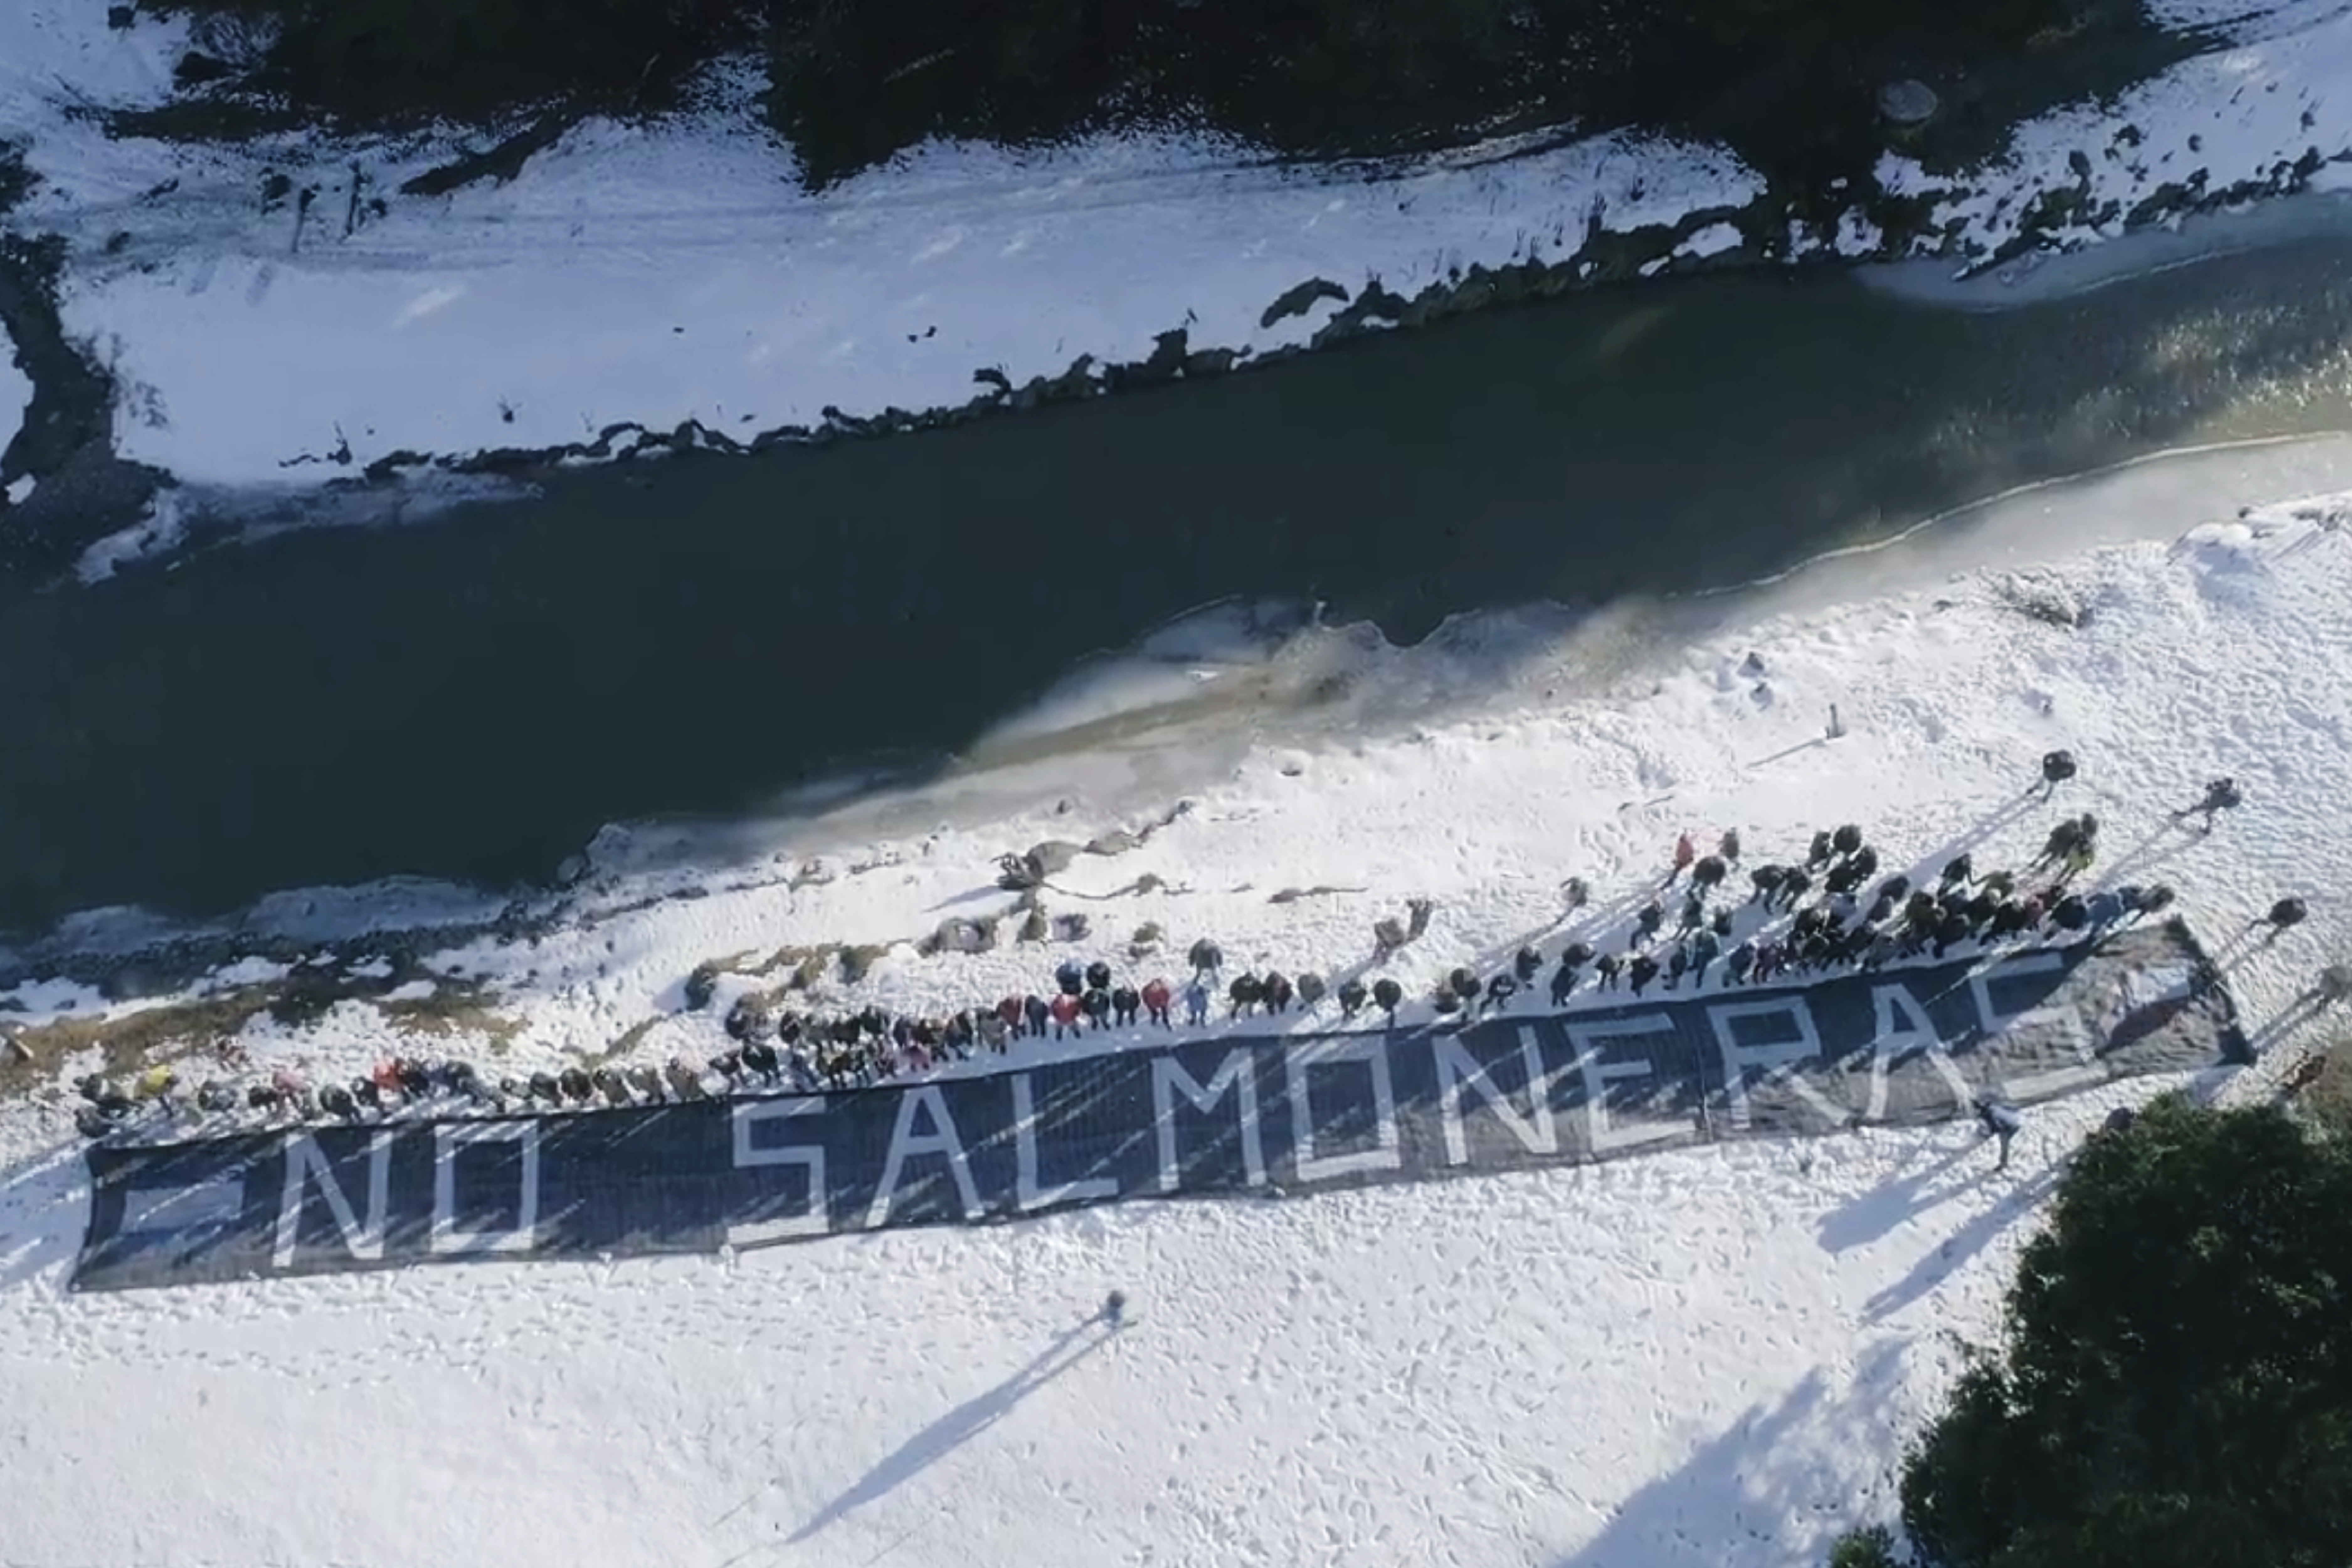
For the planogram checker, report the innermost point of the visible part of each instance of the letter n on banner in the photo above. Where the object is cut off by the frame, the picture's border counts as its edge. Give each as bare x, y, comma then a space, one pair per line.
1458, 1070
1298, 1070
449, 1140
816, 1217
363, 1239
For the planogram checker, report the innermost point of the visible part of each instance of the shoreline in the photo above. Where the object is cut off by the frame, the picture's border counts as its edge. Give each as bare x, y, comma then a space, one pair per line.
1617, 212
1025, 785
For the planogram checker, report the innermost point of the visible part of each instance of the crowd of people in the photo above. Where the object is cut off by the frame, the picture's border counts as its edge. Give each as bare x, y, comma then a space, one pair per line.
1831, 909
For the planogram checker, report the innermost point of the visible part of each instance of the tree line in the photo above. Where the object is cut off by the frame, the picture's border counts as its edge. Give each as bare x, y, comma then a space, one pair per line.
1791, 83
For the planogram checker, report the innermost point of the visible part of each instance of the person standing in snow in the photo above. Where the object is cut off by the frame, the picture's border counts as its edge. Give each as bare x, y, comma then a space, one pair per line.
1387, 996
2283, 916
1276, 991
2105, 909
1244, 994
1156, 998
1728, 846
1500, 988
1704, 948
1684, 853
1693, 913
1065, 1010
1196, 1003
2332, 986
1641, 972
1352, 997
2057, 767
2002, 1122
2220, 795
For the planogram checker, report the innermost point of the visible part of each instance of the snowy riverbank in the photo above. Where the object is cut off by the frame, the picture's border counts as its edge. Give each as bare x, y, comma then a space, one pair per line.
266, 325
1698, 1358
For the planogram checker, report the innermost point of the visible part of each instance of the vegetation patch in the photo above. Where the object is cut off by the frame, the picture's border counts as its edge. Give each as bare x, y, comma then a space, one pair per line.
1793, 85
263, 66
2327, 1099
129, 1041
454, 1007
2173, 1388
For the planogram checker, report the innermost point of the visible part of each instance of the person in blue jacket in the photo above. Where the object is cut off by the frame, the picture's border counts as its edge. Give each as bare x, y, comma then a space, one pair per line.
2002, 1122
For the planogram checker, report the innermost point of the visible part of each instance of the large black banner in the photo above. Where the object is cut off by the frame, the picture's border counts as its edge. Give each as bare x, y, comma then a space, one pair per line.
1216, 1115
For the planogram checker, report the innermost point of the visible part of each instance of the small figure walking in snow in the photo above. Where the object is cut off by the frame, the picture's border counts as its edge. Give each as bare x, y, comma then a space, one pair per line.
1114, 1309
1684, 853
2220, 795
2000, 1122
1836, 727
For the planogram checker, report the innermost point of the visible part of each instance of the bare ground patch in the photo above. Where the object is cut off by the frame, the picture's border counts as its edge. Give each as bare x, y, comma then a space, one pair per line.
129, 1041
455, 1007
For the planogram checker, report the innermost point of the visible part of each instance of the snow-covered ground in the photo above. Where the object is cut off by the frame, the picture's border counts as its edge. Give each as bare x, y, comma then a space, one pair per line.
1703, 1358
654, 276
15, 392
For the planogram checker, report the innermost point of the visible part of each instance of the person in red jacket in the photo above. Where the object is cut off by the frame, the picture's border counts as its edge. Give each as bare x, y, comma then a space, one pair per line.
1065, 1008
1684, 853
1156, 999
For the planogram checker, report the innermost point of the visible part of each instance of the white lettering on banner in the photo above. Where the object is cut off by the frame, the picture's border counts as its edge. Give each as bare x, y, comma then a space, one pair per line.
1777, 1060
1298, 1066
2065, 1020
906, 1144
304, 1159
816, 1219
1599, 1073
1458, 1070
448, 1140
1030, 1195
1234, 1076
1913, 1033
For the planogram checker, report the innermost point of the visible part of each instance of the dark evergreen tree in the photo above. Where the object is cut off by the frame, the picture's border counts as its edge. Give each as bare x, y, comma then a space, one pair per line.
2174, 1388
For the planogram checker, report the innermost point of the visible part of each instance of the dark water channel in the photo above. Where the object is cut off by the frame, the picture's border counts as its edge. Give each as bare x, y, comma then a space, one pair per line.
473, 698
